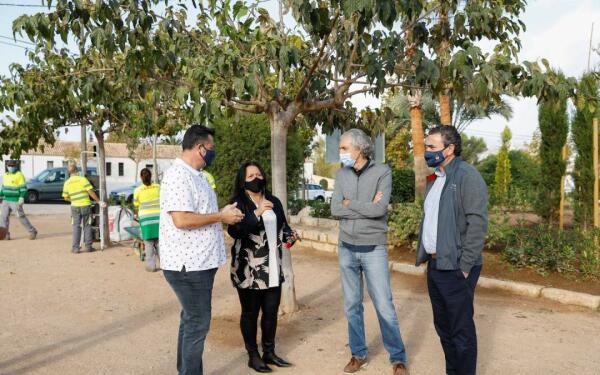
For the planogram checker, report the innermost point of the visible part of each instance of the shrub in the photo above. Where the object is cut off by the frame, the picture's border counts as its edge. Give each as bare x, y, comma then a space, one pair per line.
320, 209
403, 186
295, 205
324, 184
404, 223
546, 249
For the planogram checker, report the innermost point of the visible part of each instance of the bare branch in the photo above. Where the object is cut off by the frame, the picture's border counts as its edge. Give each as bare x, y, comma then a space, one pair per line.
257, 103
317, 61
318, 105
238, 107
353, 54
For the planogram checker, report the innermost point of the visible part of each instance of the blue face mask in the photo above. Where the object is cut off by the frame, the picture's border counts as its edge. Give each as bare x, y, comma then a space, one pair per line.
346, 160
209, 157
12, 169
435, 158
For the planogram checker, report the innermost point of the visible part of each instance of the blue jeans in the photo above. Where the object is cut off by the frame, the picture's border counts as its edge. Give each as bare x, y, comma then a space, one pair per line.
374, 265
194, 291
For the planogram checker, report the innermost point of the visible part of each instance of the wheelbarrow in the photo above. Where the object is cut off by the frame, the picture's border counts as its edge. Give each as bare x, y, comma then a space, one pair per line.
138, 243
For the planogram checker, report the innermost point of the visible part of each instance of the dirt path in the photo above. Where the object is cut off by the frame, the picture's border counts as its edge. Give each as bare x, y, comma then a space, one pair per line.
101, 313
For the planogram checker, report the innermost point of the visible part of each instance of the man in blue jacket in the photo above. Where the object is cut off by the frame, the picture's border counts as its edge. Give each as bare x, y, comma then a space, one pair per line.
451, 241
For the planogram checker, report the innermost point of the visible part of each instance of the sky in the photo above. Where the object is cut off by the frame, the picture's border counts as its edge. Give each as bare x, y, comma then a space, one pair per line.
558, 30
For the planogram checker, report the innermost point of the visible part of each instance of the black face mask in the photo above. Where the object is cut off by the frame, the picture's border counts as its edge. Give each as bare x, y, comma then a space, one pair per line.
256, 186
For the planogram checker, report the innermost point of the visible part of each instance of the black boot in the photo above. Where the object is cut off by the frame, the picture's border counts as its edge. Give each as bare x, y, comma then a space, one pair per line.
257, 364
270, 358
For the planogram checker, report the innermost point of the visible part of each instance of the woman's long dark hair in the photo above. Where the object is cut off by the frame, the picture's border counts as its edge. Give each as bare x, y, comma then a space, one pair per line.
239, 186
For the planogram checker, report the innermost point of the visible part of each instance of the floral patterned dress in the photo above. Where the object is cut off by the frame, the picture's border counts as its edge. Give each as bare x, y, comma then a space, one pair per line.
250, 260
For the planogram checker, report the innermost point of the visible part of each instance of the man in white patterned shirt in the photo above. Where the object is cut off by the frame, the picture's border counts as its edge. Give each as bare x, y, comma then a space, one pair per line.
192, 244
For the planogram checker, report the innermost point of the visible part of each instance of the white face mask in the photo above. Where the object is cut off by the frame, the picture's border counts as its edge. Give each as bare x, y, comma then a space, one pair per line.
346, 160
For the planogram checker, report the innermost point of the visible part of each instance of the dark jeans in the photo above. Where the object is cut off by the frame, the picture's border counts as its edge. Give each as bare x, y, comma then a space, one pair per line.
452, 302
194, 291
253, 301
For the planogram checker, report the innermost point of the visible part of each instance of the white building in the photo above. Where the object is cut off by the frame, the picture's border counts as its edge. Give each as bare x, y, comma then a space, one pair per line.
120, 167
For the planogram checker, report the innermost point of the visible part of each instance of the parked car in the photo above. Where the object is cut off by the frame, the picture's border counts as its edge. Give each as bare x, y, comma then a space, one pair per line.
124, 192
48, 185
313, 192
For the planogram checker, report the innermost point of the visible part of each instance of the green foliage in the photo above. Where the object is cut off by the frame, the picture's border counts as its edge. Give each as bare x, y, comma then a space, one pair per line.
404, 223
320, 209
472, 147
524, 171
321, 166
503, 177
499, 229
583, 171
403, 185
295, 205
545, 249
554, 126
324, 184
247, 138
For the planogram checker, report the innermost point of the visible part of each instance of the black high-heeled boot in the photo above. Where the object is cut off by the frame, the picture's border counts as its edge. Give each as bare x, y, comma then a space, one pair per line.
257, 364
270, 358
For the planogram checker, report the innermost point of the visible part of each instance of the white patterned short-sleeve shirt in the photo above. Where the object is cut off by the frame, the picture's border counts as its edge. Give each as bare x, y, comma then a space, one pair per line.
186, 189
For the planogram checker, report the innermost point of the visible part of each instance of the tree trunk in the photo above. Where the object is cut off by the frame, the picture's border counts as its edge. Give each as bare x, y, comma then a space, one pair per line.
445, 112
154, 163
102, 175
418, 141
83, 150
279, 131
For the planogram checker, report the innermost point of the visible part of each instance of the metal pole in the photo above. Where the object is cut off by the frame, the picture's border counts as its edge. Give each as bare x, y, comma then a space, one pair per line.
595, 158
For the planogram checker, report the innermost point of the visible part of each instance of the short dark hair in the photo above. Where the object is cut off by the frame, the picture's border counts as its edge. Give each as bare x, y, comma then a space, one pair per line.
146, 176
450, 136
195, 135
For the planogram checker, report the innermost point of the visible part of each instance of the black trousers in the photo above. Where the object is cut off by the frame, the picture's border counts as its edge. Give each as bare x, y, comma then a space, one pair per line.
254, 301
452, 297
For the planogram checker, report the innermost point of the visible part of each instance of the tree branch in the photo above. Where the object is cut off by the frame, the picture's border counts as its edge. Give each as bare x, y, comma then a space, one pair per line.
317, 61
318, 105
238, 107
257, 103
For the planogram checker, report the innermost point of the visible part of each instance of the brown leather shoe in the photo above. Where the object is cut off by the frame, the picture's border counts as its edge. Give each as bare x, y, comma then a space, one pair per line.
355, 365
400, 369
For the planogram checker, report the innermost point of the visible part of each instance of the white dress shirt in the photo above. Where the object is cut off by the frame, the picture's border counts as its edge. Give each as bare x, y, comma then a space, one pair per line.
186, 189
432, 209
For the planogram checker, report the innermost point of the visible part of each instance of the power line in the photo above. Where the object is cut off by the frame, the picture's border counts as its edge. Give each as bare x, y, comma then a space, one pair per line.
16, 40
15, 45
25, 5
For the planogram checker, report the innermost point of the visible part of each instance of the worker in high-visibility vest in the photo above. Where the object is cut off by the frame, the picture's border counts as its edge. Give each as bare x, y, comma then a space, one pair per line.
146, 199
13, 191
211, 179
78, 190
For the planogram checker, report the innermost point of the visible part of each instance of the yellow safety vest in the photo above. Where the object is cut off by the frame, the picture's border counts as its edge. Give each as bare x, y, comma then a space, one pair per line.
147, 200
211, 179
76, 190
13, 186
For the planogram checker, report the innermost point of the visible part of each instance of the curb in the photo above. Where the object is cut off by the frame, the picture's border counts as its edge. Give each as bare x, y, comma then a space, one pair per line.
323, 242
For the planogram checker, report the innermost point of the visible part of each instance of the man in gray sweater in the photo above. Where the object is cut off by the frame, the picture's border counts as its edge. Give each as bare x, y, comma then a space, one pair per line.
451, 240
360, 200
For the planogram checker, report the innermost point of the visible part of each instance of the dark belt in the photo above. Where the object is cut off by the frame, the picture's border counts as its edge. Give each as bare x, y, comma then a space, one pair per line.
433, 256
